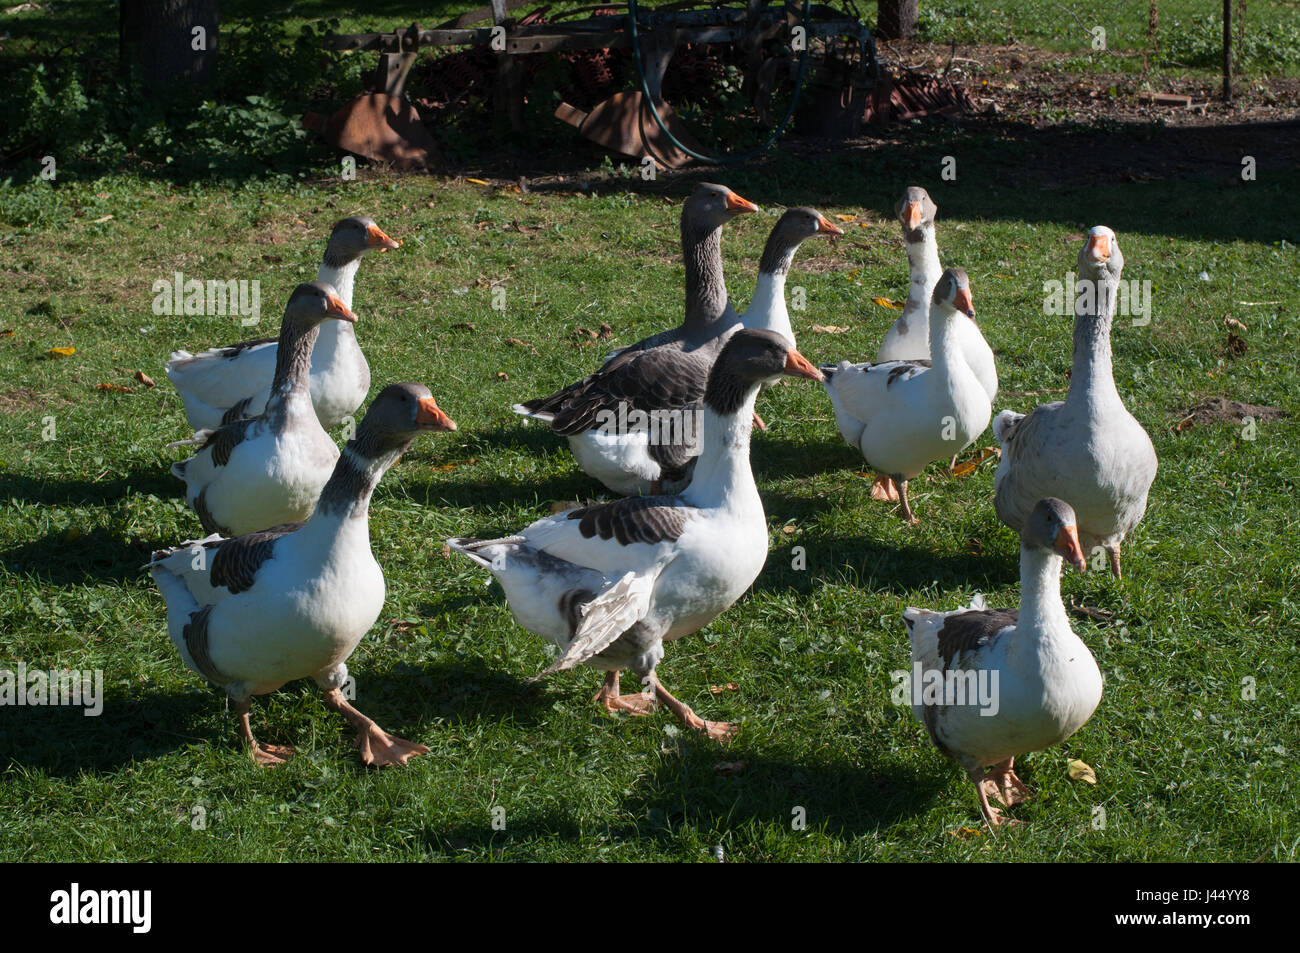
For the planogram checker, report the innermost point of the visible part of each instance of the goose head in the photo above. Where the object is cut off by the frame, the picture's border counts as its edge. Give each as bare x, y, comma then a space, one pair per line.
711, 206
1100, 258
790, 231
396, 417
1053, 528
313, 302
915, 211
952, 293
751, 358
352, 237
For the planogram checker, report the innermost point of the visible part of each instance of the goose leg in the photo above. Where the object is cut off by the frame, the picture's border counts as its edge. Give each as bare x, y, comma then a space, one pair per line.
608, 696
268, 756
1009, 789
1113, 553
952, 464
717, 730
902, 498
377, 746
984, 786
759, 422
884, 488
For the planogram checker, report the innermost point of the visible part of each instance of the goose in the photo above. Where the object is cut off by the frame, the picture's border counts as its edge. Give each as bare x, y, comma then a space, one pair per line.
1044, 683
222, 384
253, 612
266, 470
904, 415
609, 584
1087, 449
909, 338
631, 425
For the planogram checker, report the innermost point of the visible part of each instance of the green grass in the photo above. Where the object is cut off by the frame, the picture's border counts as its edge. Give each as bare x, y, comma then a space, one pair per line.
1187, 768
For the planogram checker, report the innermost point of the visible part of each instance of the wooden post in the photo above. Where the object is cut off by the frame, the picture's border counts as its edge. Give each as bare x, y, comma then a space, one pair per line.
897, 19
1227, 50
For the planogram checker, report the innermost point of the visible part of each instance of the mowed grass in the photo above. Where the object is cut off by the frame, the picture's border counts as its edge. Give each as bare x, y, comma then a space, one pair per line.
1190, 764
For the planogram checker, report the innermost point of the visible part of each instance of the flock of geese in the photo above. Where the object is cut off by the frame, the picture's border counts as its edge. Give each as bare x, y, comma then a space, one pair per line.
285, 585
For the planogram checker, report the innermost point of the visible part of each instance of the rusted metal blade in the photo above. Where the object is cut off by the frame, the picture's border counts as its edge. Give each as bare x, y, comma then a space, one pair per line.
623, 123
386, 128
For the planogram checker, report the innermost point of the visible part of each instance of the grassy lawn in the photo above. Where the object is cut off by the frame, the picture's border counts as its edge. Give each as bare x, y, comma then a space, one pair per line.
1187, 767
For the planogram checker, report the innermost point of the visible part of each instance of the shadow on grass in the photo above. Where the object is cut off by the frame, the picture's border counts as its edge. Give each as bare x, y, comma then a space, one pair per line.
63, 741
89, 493
841, 801
101, 555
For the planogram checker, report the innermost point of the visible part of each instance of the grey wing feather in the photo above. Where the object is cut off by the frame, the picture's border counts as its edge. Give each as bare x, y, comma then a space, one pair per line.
237, 561
967, 631
635, 519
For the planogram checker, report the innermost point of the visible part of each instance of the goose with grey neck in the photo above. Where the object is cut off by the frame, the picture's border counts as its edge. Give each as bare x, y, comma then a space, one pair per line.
223, 384
1040, 683
1087, 449
632, 424
904, 415
254, 612
609, 584
266, 470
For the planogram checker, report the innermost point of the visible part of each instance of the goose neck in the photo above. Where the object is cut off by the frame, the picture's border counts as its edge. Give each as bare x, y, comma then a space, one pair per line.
343, 278
706, 286
1092, 379
293, 365
722, 473
1041, 607
767, 310
359, 469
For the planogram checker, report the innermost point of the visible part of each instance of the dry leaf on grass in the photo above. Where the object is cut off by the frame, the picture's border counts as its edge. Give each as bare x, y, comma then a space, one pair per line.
828, 329
116, 388
886, 303
144, 379
1080, 771
453, 464
719, 689
61, 351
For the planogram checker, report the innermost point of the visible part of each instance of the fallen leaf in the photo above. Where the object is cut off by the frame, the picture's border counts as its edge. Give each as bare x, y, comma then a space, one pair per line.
464, 326
968, 467
101, 220
1234, 323
61, 351
964, 833
886, 303
788, 530
845, 218
117, 388
604, 333
478, 181
1079, 771
502, 376
144, 379
7, 333
729, 769
828, 329
453, 464
719, 689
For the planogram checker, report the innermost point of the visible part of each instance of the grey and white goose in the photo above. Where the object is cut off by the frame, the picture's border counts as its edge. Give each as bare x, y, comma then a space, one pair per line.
610, 584
1087, 449
223, 384
631, 425
1040, 682
266, 470
254, 612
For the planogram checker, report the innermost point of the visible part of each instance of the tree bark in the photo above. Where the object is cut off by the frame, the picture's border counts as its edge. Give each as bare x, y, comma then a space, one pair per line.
897, 19
160, 36
1227, 50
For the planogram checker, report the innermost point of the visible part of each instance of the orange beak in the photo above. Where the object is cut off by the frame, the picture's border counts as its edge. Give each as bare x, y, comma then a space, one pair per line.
825, 225
796, 365
912, 215
1099, 247
338, 309
375, 238
961, 300
1067, 546
431, 417
738, 206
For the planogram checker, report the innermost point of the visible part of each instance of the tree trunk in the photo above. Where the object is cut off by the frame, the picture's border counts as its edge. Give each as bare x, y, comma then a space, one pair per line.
169, 39
1227, 50
896, 19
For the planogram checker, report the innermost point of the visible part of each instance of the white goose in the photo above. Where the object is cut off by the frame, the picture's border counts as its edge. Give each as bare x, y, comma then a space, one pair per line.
1087, 449
631, 424
904, 415
609, 584
266, 470
1044, 683
909, 338
254, 612
223, 384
